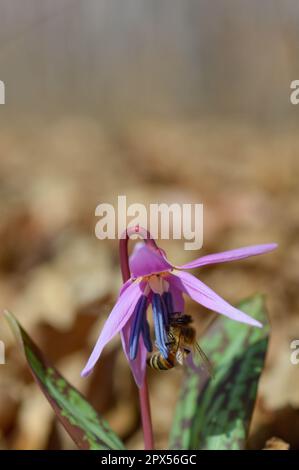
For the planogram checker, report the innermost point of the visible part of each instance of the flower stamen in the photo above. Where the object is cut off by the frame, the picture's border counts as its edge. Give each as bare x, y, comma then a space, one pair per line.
139, 315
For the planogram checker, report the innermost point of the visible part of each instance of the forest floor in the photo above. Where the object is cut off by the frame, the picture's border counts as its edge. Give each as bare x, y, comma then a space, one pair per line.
61, 281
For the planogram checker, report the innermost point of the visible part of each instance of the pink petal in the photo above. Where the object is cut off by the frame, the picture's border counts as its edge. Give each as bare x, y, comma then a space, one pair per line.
177, 297
145, 261
138, 366
205, 296
117, 319
125, 286
230, 255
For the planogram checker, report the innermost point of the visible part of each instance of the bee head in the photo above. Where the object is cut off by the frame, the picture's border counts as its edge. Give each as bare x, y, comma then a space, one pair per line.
180, 319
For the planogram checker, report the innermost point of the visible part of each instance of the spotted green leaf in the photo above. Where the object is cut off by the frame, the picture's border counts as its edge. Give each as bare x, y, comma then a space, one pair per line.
85, 426
214, 413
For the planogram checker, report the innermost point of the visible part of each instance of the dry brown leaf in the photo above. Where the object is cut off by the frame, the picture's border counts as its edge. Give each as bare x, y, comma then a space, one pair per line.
275, 443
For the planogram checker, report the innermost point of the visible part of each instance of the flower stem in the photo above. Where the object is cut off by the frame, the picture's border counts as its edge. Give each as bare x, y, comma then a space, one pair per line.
146, 418
143, 390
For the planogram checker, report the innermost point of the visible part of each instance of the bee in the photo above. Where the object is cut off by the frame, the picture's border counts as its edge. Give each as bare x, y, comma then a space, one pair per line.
181, 342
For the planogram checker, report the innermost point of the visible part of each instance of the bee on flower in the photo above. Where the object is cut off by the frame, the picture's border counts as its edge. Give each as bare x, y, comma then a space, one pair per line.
155, 281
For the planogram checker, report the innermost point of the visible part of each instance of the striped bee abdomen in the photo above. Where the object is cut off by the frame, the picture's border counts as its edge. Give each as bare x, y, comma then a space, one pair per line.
158, 362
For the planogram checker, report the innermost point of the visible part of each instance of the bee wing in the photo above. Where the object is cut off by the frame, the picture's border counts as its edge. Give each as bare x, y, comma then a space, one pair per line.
205, 360
180, 356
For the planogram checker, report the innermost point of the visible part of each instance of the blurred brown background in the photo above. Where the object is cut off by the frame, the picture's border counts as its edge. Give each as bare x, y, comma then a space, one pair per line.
165, 101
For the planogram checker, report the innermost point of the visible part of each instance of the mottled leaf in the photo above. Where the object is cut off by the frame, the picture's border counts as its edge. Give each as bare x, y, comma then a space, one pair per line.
215, 413
85, 426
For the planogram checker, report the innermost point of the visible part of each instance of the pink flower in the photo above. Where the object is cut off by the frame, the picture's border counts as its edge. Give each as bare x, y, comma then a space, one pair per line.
157, 281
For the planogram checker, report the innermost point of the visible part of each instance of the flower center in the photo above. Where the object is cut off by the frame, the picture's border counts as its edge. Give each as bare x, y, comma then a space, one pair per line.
157, 283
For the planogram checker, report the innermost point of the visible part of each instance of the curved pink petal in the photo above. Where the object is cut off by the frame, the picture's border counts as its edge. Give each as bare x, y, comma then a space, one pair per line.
125, 286
205, 296
145, 261
138, 366
177, 297
117, 319
231, 255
